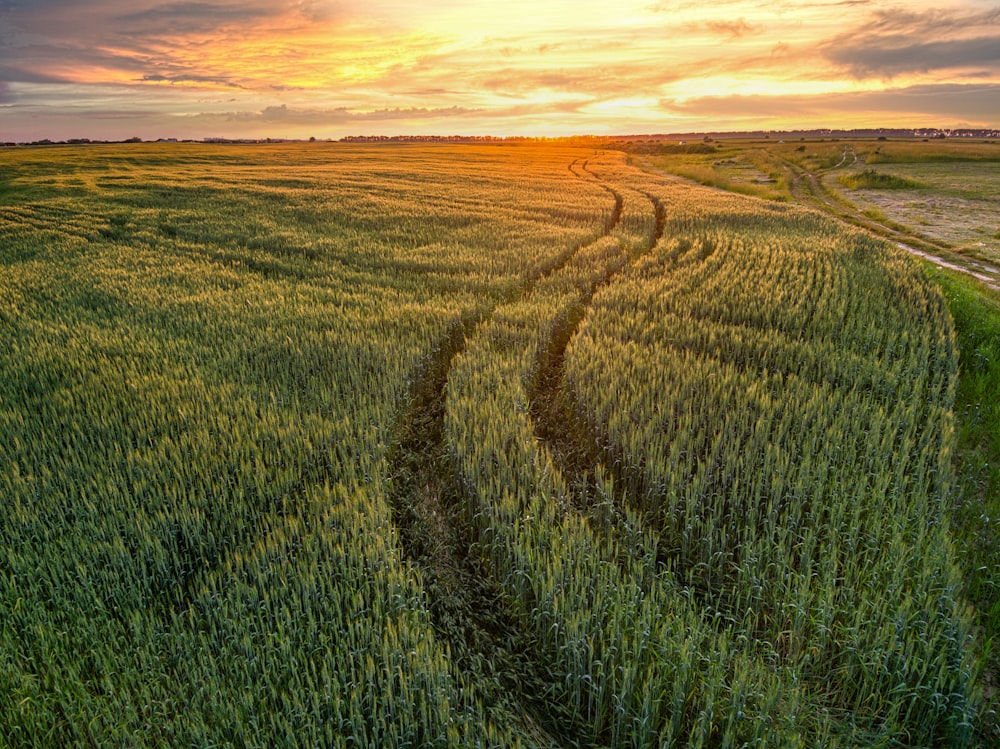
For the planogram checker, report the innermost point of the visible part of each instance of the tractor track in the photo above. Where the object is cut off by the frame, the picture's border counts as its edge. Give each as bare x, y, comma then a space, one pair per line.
570, 444
489, 642
468, 609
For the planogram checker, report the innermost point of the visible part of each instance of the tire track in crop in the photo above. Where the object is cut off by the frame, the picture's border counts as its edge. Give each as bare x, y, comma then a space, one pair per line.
609, 225
569, 442
39, 217
489, 642
616, 214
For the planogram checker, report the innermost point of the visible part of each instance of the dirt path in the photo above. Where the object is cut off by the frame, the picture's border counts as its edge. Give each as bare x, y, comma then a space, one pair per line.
848, 150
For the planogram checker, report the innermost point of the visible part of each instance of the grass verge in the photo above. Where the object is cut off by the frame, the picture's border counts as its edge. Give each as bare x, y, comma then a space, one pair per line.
976, 514
871, 179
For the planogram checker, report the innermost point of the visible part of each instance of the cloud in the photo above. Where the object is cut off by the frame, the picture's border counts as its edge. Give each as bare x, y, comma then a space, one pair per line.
6, 95
320, 11
597, 80
267, 65
189, 78
894, 56
24, 74
934, 22
771, 7
192, 17
438, 91
541, 108
899, 42
129, 115
65, 31
46, 62
732, 29
283, 114
230, 43
945, 103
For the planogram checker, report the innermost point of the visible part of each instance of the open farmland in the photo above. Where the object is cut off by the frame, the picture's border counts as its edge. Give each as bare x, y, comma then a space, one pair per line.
940, 196
957, 203
326, 445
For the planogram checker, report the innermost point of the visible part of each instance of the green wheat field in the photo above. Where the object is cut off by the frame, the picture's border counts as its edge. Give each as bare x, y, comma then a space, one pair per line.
452, 445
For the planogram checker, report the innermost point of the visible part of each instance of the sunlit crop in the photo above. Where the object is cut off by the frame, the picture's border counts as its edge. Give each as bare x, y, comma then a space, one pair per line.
213, 357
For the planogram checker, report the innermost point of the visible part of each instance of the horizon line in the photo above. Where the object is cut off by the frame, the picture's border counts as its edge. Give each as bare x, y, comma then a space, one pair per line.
917, 132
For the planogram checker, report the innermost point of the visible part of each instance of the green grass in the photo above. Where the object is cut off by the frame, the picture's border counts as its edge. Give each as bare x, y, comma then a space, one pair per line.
751, 174
977, 408
772, 476
873, 180
932, 151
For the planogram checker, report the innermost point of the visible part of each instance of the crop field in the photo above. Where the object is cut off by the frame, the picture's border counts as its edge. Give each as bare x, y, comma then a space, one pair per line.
470, 446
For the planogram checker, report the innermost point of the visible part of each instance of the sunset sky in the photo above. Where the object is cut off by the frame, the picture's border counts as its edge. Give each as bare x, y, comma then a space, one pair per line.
109, 69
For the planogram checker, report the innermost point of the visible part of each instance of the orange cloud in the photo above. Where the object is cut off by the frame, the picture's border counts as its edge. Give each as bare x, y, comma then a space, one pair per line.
521, 66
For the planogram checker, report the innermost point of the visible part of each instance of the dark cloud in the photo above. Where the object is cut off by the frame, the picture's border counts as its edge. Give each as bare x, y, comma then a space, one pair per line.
20, 73
769, 6
320, 11
899, 42
31, 107
951, 101
933, 22
69, 27
897, 55
120, 114
188, 78
193, 17
103, 18
40, 62
947, 103
53, 40
61, 40
6, 95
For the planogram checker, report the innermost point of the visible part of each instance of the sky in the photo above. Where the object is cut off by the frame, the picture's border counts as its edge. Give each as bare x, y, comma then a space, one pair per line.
113, 69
